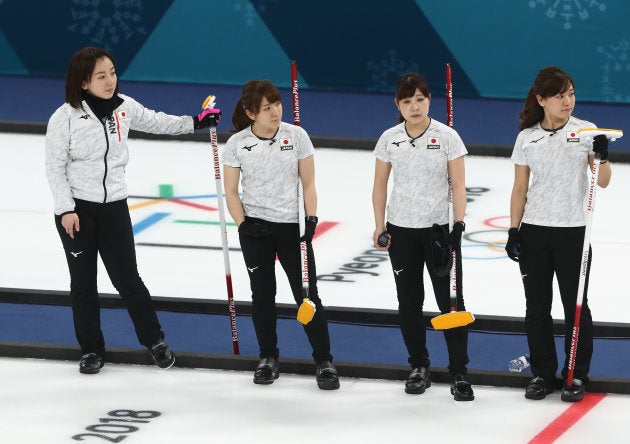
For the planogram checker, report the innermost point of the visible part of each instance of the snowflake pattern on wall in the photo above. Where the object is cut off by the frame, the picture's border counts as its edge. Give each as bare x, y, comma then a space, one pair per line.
385, 72
249, 10
107, 23
615, 69
246, 9
568, 10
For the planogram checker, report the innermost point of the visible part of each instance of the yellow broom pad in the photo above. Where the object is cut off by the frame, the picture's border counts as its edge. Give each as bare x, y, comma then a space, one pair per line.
452, 320
209, 102
612, 134
306, 311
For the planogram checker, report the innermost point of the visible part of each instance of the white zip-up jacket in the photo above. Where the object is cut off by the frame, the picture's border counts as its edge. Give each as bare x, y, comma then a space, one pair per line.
86, 157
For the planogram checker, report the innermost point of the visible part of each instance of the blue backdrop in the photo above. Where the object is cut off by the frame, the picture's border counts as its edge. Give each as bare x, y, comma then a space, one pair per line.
495, 46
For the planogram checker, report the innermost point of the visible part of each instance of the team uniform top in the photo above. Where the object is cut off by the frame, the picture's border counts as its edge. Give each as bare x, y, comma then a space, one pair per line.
86, 158
419, 196
269, 170
558, 163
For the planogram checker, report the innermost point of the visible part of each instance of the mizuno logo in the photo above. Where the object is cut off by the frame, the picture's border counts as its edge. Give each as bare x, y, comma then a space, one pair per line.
523, 276
76, 254
398, 143
536, 140
84, 116
398, 271
249, 148
251, 270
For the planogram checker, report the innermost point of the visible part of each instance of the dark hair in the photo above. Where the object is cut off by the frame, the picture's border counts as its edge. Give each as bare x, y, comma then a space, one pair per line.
80, 70
548, 82
407, 85
251, 97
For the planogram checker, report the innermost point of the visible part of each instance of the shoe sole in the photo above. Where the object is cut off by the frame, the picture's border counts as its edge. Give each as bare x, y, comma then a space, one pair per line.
275, 375
88, 371
419, 391
566, 397
458, 397
537, 397
167, 366
571, 399
267, 381
328, 385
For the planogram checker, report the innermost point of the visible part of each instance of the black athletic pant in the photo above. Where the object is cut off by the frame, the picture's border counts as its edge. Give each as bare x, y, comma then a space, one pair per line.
260, 258
106, 229
545, 251
410, 248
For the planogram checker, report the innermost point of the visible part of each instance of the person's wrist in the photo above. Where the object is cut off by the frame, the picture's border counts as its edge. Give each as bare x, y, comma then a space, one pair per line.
312, 219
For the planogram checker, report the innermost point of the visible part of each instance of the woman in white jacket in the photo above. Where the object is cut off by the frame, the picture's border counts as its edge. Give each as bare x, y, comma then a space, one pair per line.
86, 155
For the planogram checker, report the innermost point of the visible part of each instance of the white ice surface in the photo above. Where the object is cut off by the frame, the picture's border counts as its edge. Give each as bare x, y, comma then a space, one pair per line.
31, 254
50, 402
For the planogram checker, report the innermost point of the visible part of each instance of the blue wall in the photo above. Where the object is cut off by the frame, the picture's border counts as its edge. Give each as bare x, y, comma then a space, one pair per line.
495, 46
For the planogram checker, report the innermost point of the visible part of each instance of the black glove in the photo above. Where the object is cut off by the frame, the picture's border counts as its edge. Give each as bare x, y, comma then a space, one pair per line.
455, 236
207, 117
513, 246
600, 146
309, 229
254, 228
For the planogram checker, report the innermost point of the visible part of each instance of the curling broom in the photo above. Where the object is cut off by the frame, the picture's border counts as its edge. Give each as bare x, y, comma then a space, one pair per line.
306, 311
455, 318
210, 103
611, 134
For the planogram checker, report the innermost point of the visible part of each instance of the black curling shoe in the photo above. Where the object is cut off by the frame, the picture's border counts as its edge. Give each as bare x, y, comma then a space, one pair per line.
538, 388
267, 371
418, 381
461, 389
574, 392
162, 354
326, 376
91, 363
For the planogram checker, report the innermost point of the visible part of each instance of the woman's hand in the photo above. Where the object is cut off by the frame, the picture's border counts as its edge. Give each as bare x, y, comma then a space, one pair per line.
70, 223
381, 239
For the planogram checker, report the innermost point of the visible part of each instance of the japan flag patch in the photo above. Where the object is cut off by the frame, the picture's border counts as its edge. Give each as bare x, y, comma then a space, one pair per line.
433, 143
286, 144
573, 136
122, 114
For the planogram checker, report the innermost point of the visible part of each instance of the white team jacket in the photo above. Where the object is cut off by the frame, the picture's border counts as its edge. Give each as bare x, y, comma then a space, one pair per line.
86, 158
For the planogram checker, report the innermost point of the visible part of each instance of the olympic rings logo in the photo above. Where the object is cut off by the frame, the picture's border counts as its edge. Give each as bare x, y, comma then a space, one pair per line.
488, 244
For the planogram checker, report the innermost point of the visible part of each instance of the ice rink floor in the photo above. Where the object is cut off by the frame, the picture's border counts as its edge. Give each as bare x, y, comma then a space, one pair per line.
179, 246
50, 402
179, 255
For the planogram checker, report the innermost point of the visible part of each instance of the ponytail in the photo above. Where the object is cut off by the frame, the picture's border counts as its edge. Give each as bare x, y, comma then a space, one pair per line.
532, 112
240, 120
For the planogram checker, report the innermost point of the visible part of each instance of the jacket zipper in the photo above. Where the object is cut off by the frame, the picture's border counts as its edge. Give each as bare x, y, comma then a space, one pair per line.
103, 122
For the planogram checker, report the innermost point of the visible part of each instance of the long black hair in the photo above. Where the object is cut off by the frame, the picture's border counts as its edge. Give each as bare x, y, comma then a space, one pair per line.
251, 97
548, 82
